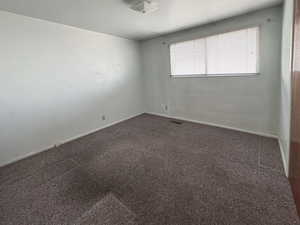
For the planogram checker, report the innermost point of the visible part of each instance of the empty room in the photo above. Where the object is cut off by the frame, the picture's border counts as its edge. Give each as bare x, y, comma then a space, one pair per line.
149, 112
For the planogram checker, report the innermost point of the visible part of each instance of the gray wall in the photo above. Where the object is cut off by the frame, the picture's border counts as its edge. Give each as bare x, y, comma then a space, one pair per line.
58, 81
246, 103
285, 97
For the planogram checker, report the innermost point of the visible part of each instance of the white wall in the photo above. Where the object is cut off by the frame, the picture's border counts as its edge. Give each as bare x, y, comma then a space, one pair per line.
285, 97
247, 103
57, 82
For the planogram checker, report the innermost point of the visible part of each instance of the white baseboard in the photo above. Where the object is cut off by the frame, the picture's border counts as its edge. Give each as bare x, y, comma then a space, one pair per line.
285, 162
157, 114
22, 157
66, 141
97, 129
216, 125
284, 159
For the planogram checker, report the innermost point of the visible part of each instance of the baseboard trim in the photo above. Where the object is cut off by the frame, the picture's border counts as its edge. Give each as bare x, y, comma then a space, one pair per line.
130, 117
215, 125
97, 129
285, 162
59, 143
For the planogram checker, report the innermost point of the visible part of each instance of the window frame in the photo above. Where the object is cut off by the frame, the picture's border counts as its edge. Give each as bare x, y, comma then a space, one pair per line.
258, 66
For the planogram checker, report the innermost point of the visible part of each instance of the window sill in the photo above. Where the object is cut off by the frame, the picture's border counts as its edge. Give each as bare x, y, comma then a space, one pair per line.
216, 75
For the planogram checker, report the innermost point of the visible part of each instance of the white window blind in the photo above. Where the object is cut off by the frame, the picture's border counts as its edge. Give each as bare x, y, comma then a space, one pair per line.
223, 54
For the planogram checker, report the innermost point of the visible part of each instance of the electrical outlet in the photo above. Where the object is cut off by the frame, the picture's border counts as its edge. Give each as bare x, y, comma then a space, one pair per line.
103, 117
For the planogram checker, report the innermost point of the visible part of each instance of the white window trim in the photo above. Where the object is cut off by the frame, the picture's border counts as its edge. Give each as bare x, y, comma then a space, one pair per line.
216, 75
206, 75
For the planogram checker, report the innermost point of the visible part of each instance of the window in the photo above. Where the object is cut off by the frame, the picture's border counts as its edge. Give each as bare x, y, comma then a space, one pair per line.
227, 54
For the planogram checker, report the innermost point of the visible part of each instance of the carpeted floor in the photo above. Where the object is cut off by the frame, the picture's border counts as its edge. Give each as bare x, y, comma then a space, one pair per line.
151, 171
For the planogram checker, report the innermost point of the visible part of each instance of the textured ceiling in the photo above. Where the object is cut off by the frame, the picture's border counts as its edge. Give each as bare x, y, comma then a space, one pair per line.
115, 17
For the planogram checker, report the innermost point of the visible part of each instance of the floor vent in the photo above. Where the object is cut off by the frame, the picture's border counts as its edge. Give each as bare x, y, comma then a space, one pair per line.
176, 122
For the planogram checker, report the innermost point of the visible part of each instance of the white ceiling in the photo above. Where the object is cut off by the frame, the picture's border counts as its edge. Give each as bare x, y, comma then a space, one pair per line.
115, 17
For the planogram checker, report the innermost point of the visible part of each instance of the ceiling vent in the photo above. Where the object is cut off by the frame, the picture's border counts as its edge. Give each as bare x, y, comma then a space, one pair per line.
144, 6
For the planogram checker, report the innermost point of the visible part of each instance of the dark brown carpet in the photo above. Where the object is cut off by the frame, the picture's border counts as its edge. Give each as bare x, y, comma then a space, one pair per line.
150, 171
